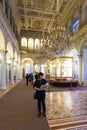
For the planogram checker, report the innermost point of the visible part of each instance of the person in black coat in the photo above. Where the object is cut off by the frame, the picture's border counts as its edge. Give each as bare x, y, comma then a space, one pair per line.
40, 86
27, 77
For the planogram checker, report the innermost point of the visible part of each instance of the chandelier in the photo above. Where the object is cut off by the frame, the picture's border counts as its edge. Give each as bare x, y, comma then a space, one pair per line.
57, 41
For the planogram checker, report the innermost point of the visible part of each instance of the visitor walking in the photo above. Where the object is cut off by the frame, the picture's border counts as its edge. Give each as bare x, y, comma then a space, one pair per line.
27, 77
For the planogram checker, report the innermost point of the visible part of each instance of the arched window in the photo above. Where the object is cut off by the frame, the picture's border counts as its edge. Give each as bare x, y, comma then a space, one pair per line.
75, 25
30, 43
37, 44
42, 43
24, 42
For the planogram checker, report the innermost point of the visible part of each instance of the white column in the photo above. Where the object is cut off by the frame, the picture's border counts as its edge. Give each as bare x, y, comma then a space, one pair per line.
3, 71
40, 67
80, 68
7, 72
12, 71
33, 68
21, 71
17, 71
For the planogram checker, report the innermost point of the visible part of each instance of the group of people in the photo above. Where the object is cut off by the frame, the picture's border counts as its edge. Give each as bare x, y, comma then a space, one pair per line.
29, 78
40, 85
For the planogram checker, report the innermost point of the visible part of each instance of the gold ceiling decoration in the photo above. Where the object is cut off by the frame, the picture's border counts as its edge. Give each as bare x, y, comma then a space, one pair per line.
46, 3
38, 24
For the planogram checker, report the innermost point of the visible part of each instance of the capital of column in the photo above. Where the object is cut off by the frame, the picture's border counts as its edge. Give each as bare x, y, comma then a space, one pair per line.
4, 51
80, 56
17, 61
13, 58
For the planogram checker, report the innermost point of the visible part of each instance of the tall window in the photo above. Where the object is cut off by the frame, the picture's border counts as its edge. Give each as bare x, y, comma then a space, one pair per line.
37, 44
30, 43
75, 25
42, 43
24, 42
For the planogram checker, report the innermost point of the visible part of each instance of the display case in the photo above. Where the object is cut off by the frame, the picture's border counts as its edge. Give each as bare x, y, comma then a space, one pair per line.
66, 67
53, 68
62, 67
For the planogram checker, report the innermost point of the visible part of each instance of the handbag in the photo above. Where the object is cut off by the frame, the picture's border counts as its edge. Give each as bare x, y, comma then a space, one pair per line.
35, 95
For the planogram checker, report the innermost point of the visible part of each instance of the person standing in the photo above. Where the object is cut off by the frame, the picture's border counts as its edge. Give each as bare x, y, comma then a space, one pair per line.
27, 77
41, 86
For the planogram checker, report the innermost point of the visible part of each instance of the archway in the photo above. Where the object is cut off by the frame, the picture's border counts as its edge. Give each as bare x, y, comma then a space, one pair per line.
27, 66
73, 53
2, 47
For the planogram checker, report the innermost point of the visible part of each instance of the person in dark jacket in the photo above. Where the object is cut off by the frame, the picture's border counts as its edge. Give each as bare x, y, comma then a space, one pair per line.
31, 78
40, 86
27, 77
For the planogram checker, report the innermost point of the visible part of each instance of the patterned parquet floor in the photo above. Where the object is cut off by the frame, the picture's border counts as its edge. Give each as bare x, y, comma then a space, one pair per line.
67, 109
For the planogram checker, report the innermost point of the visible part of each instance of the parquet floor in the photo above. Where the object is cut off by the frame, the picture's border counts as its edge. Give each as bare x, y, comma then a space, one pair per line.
67, 109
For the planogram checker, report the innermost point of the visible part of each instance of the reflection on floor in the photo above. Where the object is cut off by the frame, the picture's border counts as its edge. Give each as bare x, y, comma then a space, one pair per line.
67, 110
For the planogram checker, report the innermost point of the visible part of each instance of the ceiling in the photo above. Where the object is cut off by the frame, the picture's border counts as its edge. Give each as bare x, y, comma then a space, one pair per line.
36, 15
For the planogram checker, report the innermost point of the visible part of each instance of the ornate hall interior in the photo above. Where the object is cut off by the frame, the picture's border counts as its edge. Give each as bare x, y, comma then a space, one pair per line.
48, 36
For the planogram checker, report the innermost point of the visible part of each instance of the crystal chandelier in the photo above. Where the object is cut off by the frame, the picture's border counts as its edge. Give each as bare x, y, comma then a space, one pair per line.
57, 41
